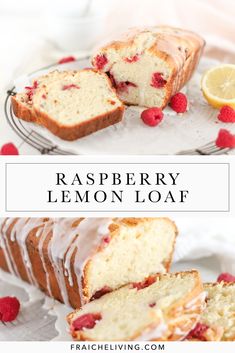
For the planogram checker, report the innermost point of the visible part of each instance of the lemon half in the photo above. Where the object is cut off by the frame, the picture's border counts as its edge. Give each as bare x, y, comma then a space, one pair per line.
218, 86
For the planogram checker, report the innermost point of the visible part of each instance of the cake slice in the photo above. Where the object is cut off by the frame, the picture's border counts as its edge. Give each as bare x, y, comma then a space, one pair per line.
162, 307
70, 104
149, 65
217, 322
75, 260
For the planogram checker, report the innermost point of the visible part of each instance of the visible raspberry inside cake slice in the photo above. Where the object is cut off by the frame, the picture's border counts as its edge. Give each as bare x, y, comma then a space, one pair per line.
71, 104
151, 310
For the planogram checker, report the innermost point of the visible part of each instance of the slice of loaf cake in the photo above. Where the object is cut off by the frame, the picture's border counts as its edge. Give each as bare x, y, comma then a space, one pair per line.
147, 66
75, 259
217, 322
162, 307
70, 104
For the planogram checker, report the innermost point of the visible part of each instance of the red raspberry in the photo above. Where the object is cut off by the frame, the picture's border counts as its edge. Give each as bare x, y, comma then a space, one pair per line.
152, 305
100, 61
157, 80
72, 85
146, 283
198, 332
226, 277
152, 116
132, 59
101, 292
124, 86
9, 149
9, 309
67, 59
225, 139
227, 114
87, 321
31, 89
179, 103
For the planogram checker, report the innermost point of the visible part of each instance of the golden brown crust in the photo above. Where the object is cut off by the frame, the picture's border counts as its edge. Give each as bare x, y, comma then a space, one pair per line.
32, 243
179, 318
27, 112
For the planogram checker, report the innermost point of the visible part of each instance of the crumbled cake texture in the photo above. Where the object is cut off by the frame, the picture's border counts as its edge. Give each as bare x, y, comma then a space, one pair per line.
71, 104
164, 307
96, 256
148, 66
217, 322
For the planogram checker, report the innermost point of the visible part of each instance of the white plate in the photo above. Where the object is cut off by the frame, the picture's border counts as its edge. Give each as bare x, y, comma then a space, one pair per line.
179, 132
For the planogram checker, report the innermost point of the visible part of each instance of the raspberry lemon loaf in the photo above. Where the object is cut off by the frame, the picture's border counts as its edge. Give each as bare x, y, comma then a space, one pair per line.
76, 260
147, 66
217, 322
162, 307
70, 104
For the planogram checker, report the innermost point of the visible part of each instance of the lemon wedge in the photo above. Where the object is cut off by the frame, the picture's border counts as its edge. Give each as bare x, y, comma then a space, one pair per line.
218, 86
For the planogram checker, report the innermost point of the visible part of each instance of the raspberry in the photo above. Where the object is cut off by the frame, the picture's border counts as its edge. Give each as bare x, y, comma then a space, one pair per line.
31, 89
124, 86
100, 61
132, 59
72, 85
87, 321
179, 103
152, 305
9, 149
226, 277
101, 292
67, 59
152, 116
227, 114
107, 239
225, 139
157, 80
9, 309
198, 332
146, 283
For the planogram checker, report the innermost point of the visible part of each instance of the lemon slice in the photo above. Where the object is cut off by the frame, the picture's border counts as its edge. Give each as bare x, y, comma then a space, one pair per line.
218, 86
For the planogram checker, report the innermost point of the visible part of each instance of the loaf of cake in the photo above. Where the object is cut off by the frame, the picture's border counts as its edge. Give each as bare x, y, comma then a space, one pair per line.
75, 260
217, 322
149, 65
162, 307
70, 104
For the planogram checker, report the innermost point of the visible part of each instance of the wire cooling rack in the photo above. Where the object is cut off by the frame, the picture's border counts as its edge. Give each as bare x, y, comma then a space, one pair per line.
27, 134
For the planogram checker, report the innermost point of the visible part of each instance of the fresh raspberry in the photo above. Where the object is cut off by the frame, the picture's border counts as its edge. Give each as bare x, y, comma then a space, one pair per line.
157, 80
124, 86
9, 309
87, 321
179, 103
152, 116
226, 277
227, 114
101, 292
9, 149
100, 61
198, 332
132, 59
225, 139
72, 85
67, 59
146, 283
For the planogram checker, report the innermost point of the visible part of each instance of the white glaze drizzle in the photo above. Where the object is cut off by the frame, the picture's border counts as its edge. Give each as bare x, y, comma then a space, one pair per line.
155, 333
66, 239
